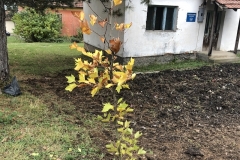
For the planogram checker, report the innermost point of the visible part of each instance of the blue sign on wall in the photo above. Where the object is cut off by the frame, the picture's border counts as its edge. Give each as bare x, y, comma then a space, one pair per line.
191, 17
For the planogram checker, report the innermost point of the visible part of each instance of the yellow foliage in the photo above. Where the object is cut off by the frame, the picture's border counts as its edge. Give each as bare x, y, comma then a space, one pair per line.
128, 25
81, 49
102, 23
107, 107
85, 27
94, 91
122, 26
108, 51
117, 2
93, 19
71, 79
73, 46
102, 39
100, 73
70, 87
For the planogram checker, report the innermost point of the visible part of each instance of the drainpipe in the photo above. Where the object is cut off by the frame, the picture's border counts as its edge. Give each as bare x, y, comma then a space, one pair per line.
237, 38
213, 29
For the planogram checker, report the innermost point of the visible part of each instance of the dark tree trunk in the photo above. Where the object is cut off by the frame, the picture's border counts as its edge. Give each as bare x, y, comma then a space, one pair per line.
4, 67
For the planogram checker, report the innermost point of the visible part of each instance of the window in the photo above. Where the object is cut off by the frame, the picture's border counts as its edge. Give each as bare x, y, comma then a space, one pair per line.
161, 18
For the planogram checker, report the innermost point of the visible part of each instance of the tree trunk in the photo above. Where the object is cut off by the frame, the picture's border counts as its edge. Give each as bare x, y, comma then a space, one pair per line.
4, 67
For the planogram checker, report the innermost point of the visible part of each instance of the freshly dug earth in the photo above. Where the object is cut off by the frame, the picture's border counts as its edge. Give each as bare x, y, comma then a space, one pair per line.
185, 115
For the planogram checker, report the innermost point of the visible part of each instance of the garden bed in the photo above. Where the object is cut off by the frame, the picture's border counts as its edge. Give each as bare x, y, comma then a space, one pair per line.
189, 114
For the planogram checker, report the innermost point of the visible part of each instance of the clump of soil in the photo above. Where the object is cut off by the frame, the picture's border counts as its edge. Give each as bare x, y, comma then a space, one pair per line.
189, 114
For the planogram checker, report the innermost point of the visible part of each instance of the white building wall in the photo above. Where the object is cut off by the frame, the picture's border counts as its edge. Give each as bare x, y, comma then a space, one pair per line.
94, 39
141, 42
229, 30
10, 26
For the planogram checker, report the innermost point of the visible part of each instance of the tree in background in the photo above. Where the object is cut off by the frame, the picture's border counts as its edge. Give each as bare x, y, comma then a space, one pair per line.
39, 6
35, 27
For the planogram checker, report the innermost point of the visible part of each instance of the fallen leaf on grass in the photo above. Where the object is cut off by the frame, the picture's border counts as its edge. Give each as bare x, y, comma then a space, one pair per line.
5, 139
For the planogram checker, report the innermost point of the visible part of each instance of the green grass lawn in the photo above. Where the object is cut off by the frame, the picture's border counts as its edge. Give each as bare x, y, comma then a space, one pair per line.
29, 129
40, 58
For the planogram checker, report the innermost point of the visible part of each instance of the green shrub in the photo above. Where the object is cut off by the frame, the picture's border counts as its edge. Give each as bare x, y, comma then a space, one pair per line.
36, 27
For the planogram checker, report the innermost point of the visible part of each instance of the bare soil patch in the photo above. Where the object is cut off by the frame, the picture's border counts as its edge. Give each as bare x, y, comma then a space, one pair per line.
189, 114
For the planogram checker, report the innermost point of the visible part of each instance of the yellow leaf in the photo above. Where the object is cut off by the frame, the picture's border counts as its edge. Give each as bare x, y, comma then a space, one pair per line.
86, 30
108, 51
110, 145
137, 135
141, 151
129, 110
122, 79
122, 106
91, 80
107, 119
97, 55
120, 100
71, 79
73, 46
94, 91
118, 88
123, 145
121, 76
135, 147
118, 66
88, 54
82, 78
126, 124
79, 64
81, 16
126, 86
109, 85
102, 23
120, 129
78, 14
128, 25
119, 27
133, 75
117, 2
129, 130
111, 148
130, 64
93, 19
94, 73
120, 123
70, 87
81, 49
128, 152
107, 107
85, 27
102, 39
122, 150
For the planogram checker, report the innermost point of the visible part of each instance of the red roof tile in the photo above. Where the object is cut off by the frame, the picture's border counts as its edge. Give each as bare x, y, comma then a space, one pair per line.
232, 4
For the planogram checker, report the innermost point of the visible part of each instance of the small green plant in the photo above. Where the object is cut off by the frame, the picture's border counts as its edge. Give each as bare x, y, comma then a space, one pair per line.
7, 118
103, 72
